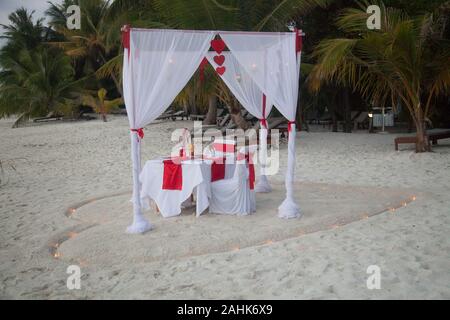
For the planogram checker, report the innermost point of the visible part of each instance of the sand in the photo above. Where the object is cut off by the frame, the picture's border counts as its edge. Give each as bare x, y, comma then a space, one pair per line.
346, 182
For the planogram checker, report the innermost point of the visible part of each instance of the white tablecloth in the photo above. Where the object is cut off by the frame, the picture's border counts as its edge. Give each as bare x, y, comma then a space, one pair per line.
196, 175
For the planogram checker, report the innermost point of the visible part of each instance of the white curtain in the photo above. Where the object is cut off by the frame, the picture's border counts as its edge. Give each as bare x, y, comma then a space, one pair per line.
249, 94
272, 62
157, 66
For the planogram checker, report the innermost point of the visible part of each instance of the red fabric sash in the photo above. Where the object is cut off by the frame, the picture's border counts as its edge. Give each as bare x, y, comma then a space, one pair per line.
139, 131
218, 170
251, 178
298, 40
173, 176
251, 169
290, 123
263, 120
202, 69
126, 38
251, 172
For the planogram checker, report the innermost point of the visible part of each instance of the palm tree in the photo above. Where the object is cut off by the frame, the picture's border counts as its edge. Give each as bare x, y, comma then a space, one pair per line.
34, 79
407, 61
99, 103
93, 45
22, 32
36, 83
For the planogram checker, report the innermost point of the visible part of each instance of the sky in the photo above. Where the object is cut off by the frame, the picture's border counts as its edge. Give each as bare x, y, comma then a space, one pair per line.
8, 6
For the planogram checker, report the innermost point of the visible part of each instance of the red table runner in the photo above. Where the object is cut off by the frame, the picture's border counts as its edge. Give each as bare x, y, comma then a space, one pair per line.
173, 176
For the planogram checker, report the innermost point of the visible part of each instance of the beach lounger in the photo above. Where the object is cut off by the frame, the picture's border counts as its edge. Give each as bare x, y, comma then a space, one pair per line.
165, 115
224, 121
410, 139
434, 137
361, 121
197, 117
179, 114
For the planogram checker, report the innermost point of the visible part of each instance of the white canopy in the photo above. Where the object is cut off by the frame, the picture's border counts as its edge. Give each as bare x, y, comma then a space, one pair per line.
159, 63
251, 97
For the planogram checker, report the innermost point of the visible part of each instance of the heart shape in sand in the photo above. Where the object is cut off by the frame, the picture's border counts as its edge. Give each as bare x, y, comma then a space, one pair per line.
218, 45
221, 70
219, 60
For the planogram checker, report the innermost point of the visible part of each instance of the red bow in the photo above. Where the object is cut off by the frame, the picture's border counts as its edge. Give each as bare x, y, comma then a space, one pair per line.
263, 123
290, 123
140, 132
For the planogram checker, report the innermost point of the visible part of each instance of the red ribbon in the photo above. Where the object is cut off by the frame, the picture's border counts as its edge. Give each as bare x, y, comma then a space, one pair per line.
172, 176
263, 120
202, 69
298, 40
263, 123
139, 131
290, 123
251, 170
218, 170
126, 38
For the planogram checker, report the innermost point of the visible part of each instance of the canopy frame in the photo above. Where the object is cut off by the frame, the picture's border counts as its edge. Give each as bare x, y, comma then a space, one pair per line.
138, 59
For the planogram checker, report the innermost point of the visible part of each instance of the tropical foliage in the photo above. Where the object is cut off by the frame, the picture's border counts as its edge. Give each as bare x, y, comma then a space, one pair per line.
54, 70
407, 61
35, 80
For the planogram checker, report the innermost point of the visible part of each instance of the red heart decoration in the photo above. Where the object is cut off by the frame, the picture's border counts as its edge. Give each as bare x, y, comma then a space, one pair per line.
221, 70
219, 60
218, 45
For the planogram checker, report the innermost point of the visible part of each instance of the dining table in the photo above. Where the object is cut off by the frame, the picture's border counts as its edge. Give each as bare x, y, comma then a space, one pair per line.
170, 182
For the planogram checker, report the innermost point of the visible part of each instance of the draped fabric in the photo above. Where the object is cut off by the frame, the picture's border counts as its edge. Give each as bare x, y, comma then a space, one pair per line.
157, 65
272, 61
250, 96
241, 85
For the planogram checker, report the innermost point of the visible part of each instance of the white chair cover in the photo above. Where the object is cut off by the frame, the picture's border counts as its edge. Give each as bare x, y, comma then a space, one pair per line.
232, 196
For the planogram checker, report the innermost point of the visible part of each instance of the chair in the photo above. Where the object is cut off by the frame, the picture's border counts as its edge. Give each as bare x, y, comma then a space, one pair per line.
182, 114
233, 196
166, 115
361, 121
280, 124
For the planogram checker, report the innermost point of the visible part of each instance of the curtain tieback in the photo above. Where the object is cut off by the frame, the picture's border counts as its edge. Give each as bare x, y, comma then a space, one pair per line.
140, 132
290, 123
263, 122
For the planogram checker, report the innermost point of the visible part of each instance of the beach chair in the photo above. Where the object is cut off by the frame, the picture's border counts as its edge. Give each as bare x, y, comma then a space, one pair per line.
197, 117
219, 114
435, 136
223, 121
361, 121
181, 114
410, 139
325, 120
230, 125
165, 115
50, 117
